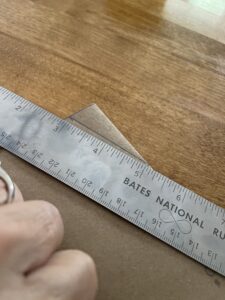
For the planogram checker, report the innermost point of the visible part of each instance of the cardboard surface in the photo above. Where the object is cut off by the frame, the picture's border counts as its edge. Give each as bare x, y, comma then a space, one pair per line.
131, 263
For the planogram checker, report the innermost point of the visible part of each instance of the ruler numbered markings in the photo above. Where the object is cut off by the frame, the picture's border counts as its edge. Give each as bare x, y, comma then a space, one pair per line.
115, 179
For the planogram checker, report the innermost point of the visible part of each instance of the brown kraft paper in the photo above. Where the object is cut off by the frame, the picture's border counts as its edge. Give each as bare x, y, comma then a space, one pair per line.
131, 264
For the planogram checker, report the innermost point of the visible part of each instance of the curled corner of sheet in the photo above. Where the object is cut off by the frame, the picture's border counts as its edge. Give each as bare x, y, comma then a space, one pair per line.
94, 118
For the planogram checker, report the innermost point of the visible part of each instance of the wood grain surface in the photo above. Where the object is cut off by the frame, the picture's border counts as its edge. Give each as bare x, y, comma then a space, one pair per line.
156, 68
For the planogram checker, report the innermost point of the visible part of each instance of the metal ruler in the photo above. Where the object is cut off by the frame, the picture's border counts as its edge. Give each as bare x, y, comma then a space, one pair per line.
115, 179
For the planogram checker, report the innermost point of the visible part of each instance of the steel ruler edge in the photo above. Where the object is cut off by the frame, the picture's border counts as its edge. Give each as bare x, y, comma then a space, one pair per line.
115, 179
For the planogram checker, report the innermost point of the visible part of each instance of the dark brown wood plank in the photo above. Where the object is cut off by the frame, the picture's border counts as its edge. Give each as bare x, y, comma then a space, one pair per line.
160, 81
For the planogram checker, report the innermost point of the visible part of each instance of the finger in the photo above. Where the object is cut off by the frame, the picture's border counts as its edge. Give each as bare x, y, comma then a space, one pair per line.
29, 233
3, 193
68, 275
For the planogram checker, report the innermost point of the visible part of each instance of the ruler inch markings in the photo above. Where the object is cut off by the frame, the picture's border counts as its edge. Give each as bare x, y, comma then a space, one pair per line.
113, 171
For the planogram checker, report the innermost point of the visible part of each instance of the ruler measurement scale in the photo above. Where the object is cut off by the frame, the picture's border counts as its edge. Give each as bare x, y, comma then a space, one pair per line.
120, 182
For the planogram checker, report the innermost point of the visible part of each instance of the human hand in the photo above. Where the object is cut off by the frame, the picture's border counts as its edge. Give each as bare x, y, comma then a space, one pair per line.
30, 232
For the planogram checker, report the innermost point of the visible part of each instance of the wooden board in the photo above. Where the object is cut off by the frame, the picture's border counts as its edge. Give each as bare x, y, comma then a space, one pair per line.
162, 84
